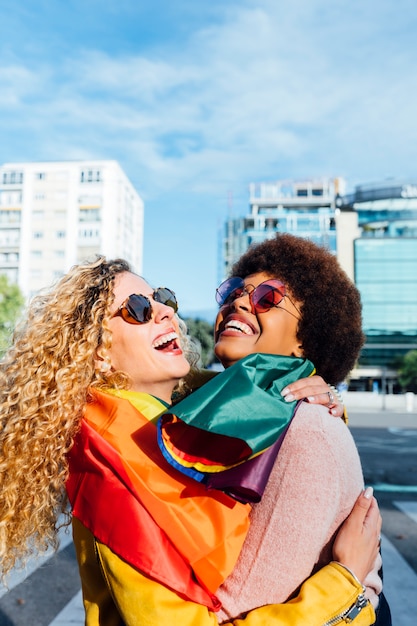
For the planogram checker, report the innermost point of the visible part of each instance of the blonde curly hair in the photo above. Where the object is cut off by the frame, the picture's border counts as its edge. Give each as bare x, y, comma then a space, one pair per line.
44, 386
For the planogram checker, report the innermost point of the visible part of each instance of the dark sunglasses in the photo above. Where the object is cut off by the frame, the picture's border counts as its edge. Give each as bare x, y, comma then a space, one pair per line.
137, 309
262, 298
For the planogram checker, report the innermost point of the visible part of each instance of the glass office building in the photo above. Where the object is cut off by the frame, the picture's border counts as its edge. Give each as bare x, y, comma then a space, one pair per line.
385, 258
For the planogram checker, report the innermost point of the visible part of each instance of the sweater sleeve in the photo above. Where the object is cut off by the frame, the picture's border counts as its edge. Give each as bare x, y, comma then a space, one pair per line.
140, 600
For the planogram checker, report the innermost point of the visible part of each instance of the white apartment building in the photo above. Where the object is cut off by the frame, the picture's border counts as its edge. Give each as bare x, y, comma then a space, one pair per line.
56, 214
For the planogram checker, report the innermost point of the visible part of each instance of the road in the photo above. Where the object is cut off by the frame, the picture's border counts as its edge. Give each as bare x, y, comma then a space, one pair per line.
389, 459
386, 436
48, 593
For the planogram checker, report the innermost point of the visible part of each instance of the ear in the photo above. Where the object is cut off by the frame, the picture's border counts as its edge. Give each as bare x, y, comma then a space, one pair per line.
102, 366
298, 351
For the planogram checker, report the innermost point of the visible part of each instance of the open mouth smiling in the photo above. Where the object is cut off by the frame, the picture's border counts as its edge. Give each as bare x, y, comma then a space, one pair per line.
235, 325
166, 342
239, 326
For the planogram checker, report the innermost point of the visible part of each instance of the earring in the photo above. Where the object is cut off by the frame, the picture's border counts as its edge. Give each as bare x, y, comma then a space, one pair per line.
104, 366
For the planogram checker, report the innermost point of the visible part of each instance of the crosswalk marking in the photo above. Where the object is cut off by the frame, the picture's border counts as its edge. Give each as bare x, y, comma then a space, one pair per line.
400, 580
409, 508
72, 614
400, 584
18, 575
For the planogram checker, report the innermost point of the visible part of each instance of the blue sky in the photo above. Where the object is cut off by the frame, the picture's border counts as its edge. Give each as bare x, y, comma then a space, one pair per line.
198, 99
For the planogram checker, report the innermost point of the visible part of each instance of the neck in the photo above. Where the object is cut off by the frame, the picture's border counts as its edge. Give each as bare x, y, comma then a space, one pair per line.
163, 391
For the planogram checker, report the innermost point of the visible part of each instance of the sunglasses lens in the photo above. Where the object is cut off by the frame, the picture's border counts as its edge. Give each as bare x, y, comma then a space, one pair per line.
166, 296
137, 309
229, 290
266, 296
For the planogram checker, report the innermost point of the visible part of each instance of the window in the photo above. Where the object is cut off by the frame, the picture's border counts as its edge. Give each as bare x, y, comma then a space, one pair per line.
9, 258
89, 215
11, 274
271, 223
9, 237
10, 217
88, 233
90, 176
12, 177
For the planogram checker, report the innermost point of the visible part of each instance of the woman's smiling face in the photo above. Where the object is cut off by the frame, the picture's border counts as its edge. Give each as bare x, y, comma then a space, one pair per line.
239, 332
150, 353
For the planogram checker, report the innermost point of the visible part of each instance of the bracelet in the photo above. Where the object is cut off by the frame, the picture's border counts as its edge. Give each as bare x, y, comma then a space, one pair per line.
352, 574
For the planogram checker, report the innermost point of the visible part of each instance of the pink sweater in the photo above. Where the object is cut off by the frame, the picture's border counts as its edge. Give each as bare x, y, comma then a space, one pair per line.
314, 483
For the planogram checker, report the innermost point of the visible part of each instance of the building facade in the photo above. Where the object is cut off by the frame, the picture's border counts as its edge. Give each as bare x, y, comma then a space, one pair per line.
56, 214
305, 208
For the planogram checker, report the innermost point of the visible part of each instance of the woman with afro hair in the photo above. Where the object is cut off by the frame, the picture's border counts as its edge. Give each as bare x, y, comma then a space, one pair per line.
287, 310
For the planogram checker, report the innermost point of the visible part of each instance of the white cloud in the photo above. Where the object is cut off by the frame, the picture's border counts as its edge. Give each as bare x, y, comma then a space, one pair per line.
267, 90
245, 93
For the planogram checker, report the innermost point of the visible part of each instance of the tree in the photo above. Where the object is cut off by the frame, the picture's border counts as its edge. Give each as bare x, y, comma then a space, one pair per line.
11, 304
407, 371
202, 332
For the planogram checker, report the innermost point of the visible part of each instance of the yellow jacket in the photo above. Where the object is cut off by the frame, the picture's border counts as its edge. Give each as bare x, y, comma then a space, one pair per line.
116, 594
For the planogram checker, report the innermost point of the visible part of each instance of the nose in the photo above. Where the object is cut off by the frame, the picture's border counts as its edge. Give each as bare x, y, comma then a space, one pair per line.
162, 311
242, 302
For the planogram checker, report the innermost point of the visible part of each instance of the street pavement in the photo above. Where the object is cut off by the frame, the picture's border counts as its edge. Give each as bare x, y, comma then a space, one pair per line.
385, 430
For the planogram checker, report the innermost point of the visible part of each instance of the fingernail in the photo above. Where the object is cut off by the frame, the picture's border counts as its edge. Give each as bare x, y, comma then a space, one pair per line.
285, 391
289, 398
368, 493
310, 398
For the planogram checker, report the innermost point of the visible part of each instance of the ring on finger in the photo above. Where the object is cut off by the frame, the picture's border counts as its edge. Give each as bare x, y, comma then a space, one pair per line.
331, 397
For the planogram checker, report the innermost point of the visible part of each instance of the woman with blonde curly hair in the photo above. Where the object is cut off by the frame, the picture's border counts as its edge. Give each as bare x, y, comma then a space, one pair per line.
90, 369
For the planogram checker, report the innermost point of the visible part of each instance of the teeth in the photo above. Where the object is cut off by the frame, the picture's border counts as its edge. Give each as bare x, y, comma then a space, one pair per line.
165, 339
244, 328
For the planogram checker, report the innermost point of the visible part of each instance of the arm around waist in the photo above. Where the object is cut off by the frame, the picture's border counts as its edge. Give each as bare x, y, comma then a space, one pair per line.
324, 600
